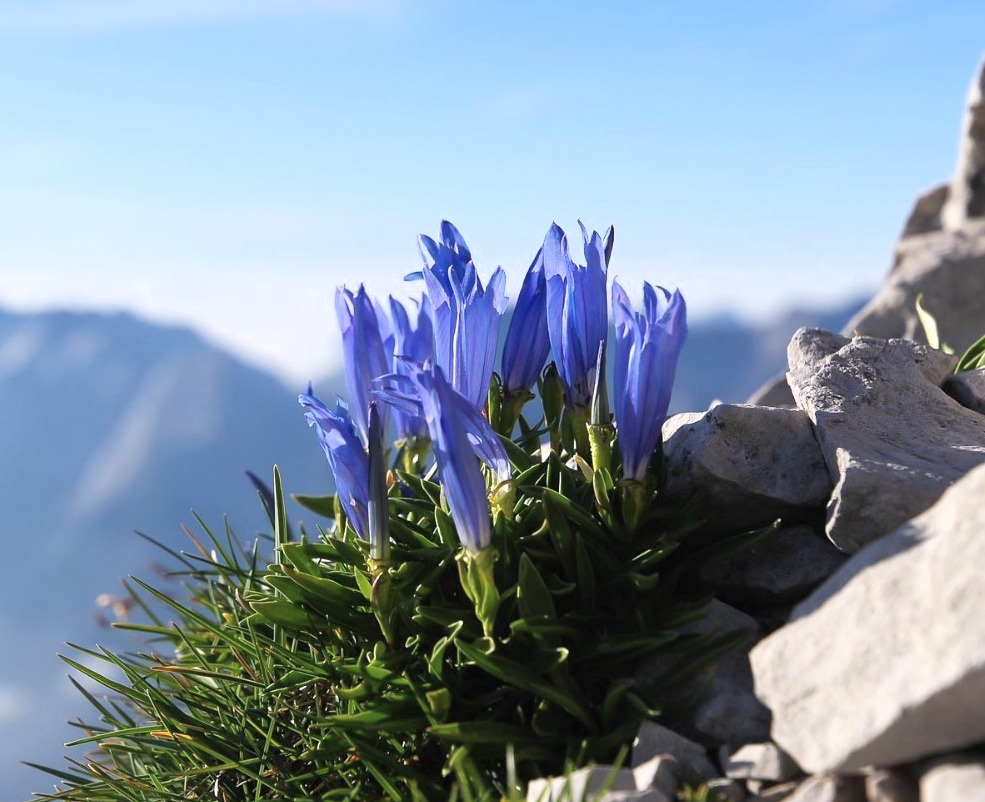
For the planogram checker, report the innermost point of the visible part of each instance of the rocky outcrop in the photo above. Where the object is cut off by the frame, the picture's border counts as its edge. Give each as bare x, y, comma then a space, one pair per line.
893, 441
940, 256
941, 253
966, 194
867, 661
749, 464
885, 662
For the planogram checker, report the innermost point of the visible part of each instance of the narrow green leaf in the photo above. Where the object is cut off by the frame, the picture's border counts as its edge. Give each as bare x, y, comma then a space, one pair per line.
533, 598
282, 533
319, 505
519, 676
973, 358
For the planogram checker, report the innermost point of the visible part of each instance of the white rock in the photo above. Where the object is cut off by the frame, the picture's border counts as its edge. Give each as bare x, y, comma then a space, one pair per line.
647, 795
723, 705
827, 788
890, 785
885, 662
966, 196
948, 270
654, 740
892, 439
968, 389
784, 567
774, 793
954, 781
730, 789
751, 465
658, 772
765, 761
581, 784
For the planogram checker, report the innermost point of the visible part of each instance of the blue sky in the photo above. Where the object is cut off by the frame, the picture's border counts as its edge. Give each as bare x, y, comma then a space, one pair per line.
227, 163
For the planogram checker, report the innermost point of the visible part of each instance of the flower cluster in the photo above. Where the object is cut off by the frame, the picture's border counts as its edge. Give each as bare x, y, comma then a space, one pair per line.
493, 577
432, 373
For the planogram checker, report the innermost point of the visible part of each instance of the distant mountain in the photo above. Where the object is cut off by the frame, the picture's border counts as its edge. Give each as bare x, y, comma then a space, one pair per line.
110, 424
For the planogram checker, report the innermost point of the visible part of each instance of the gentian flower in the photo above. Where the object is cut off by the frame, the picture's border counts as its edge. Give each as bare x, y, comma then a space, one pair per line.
647, 348
346, 456
576, 311
458, 433
363, 347
412, 343
528, 341
465, 315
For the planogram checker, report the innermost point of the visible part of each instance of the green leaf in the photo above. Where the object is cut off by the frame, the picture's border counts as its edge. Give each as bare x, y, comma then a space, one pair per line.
279, 611
490, 733
573, 511
533, 598
383, 721
326, 589
319, 505
585, 571
518, 675
973, 358
282, 533
929, 323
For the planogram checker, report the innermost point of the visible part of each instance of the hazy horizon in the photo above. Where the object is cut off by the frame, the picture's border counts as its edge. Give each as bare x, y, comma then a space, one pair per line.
225, 165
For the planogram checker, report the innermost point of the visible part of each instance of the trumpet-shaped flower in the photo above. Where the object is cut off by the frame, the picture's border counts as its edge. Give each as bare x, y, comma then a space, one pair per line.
346, 456
364, 349
413, 343
466, 315
576, 311
527, 341
647, 348
459, 433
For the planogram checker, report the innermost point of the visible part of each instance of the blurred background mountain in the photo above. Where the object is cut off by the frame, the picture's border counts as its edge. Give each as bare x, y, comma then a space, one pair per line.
111, 424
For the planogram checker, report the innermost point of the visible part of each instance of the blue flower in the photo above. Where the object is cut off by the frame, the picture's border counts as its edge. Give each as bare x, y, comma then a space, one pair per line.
412, 343
366, 355
527, 341
466, 316
576, 311
647, 348
458, 433
346, 456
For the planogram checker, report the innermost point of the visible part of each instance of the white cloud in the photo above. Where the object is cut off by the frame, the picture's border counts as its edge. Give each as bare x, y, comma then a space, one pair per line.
83, 17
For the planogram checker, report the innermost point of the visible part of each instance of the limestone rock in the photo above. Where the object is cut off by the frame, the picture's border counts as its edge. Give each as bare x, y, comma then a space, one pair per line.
784, 567
580, 784
892, 439
654, 740
890, 785
658, 772
966, 196
941, 254
958, 780
968, 389
829, 788
646, 795
729, 789
948, 269
724, 706
885, 662
750, 464
926, 215
764, 761
774, 793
